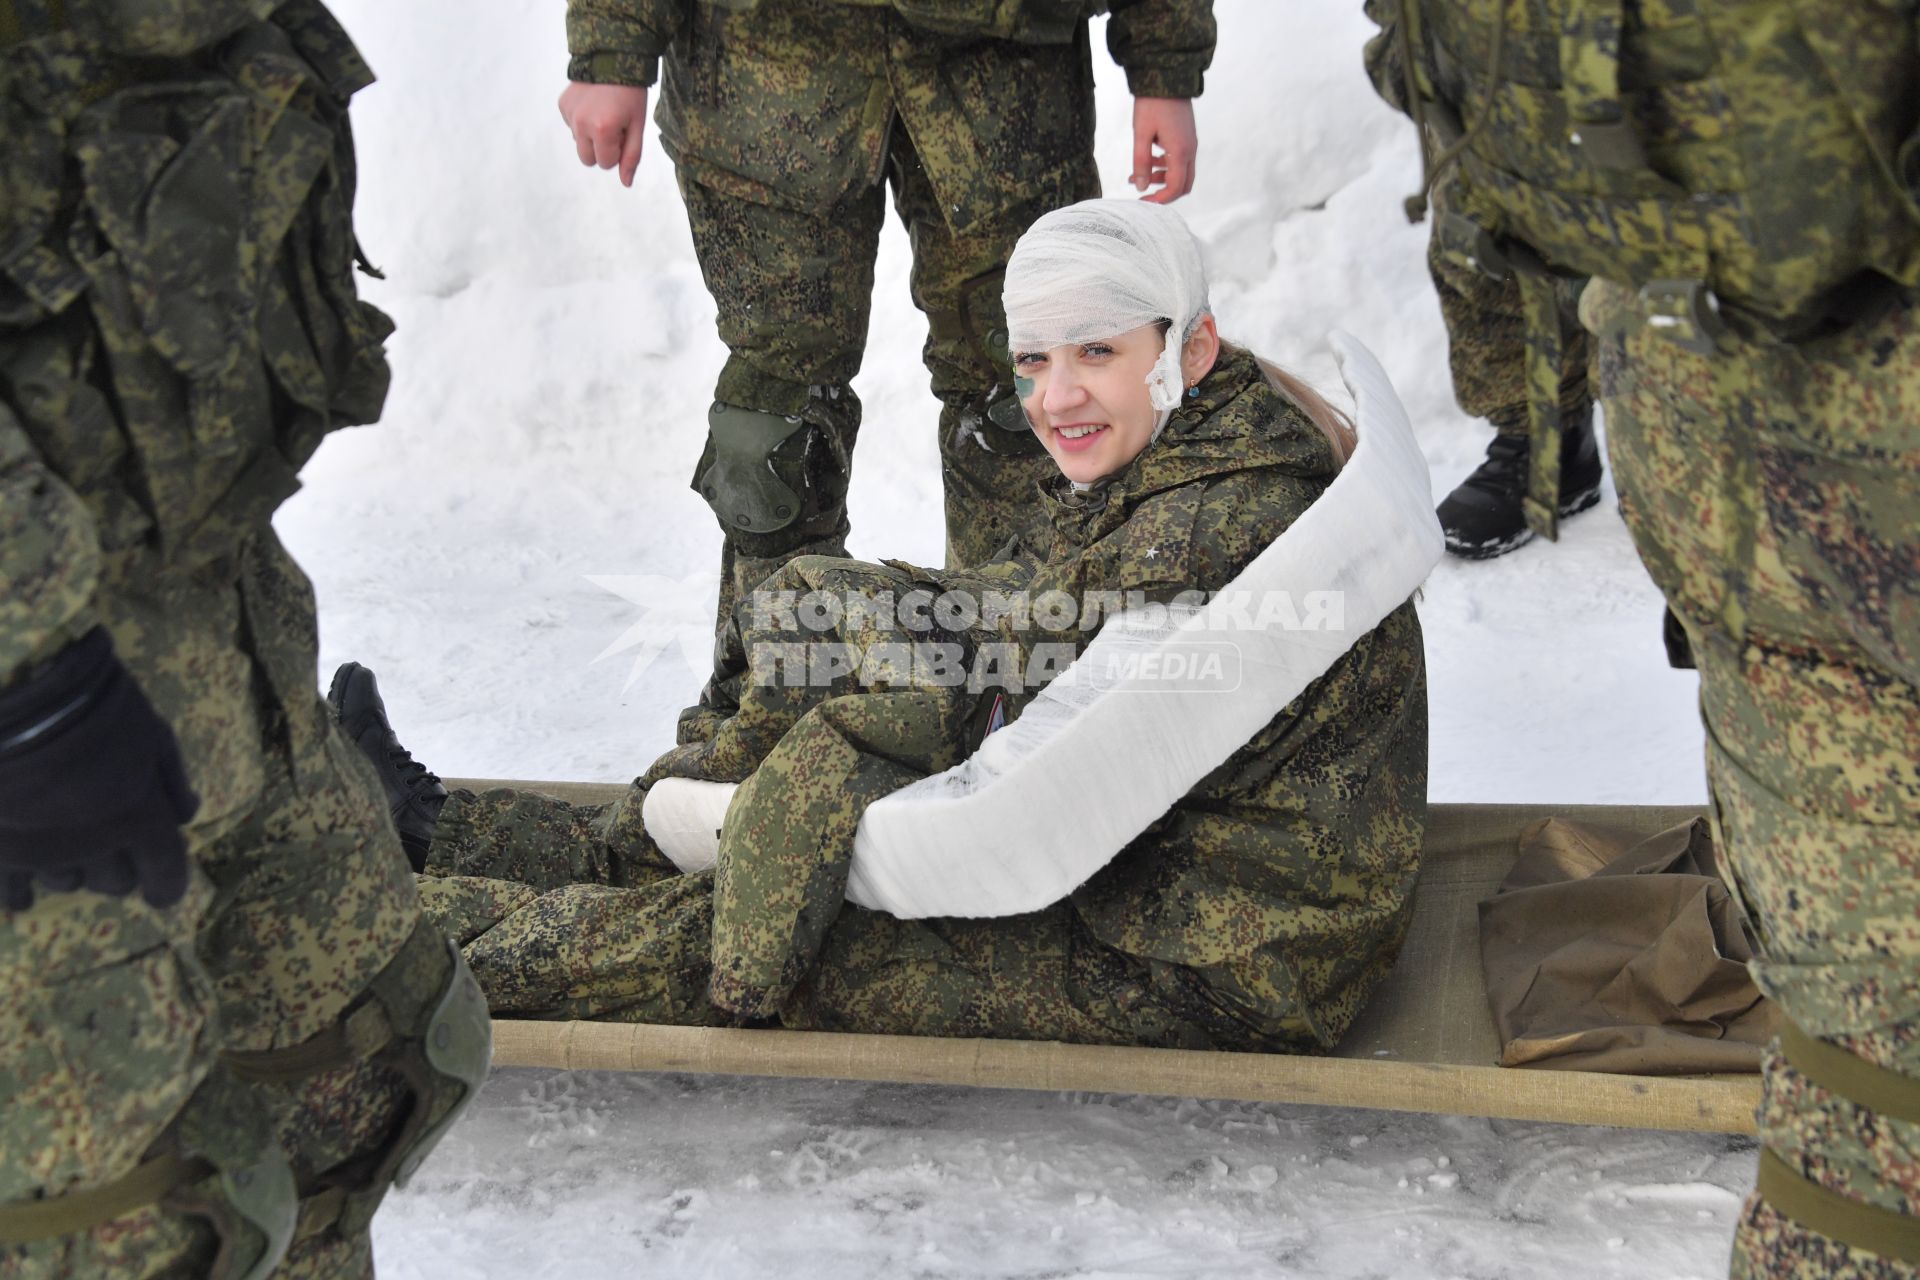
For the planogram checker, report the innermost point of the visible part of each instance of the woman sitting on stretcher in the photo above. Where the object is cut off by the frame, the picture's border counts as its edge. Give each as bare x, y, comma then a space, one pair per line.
1257, 912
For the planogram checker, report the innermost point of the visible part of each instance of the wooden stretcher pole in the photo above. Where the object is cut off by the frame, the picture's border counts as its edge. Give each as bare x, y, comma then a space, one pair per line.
1567, 1097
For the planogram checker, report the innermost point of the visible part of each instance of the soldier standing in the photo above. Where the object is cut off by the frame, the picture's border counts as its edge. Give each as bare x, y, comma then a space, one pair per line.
227, 1028
1737, 178
782, 118
1488, 513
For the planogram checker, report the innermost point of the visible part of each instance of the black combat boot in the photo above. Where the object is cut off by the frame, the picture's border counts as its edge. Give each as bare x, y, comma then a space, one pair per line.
414, 795
1483, 518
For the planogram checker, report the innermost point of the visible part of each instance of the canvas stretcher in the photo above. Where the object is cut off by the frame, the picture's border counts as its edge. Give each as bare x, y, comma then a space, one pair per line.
1425, 1043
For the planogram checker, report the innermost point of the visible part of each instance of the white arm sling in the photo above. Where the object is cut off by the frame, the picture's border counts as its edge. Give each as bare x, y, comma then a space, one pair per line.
1112, 744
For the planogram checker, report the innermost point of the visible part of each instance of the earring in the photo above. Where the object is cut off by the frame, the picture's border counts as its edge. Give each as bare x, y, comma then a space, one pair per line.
1193, 392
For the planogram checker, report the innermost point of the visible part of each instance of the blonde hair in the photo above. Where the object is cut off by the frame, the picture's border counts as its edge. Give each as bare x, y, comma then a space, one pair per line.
1336, 426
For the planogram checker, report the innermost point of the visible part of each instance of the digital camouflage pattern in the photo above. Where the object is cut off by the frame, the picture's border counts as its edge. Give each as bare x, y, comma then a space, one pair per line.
785, 120
794, 299
1730, 173
1165, 45
1774, 494
1258, 914
1705, 173
1676, 144
1487, 337
178, 328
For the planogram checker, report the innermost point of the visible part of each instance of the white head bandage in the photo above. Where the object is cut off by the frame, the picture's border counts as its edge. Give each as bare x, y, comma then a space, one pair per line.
1100, 268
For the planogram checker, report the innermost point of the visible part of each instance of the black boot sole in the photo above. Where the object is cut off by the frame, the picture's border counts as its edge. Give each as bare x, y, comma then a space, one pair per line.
1584, 500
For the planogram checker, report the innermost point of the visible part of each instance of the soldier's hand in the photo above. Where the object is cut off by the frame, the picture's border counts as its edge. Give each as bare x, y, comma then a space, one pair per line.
1165, 124
92, 793
609, 123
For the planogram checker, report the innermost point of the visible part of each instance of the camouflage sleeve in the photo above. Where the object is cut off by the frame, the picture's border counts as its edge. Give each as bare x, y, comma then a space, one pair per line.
620, 41
1165, 45
49, 557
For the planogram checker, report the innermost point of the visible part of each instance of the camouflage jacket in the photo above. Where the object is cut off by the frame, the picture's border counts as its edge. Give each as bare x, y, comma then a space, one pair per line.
1744, 164
1270, 901
794, 103
178, 317
1165, 45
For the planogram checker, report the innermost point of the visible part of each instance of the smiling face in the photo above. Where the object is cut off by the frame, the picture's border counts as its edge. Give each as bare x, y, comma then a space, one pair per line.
1088, 402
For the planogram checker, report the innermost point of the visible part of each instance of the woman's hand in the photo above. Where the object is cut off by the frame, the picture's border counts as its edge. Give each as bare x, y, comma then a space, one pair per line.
1166, 123
609, 123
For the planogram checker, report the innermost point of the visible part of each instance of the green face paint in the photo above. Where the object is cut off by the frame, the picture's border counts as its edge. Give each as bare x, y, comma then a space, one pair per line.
1022, 386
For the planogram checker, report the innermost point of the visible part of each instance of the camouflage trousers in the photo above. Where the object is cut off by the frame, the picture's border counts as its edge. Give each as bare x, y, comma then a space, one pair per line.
568, 911
1774, 493
794, 292
1487, 336
117, 1014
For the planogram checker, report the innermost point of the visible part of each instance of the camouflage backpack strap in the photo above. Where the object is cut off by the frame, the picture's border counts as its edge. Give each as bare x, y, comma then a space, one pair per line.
1888, 1095
1684, 311
1547, 342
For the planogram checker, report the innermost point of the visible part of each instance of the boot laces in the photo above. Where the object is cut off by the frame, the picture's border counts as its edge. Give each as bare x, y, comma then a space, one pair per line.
411, 772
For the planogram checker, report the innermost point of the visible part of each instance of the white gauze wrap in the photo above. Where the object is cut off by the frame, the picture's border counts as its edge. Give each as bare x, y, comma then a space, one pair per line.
1100, 268
1095, 759
684, 817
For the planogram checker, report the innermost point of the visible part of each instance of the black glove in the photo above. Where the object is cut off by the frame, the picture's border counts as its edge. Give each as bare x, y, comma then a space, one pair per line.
92, 793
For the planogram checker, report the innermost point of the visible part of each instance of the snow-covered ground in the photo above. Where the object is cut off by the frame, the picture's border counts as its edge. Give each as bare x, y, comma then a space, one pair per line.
484, 544
584, 1175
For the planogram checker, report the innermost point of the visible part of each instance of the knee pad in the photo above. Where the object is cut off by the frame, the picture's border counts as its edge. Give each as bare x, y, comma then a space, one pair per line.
993, 420
442, 1047
248, 1191
762, 472
996, 422
425, 1018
